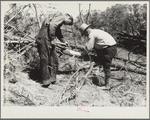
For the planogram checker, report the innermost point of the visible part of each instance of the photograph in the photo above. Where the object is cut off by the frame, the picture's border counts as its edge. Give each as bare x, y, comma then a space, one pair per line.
81, 56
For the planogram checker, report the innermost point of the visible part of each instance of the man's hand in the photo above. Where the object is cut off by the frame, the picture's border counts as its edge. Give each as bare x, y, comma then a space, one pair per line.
83, 53
66, 43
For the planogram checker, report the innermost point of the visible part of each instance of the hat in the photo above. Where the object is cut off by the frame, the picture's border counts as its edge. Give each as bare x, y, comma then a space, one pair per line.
83, 28
70, 17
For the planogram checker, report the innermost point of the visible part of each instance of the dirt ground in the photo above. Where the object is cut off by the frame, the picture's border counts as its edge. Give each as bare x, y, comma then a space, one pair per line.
25, 89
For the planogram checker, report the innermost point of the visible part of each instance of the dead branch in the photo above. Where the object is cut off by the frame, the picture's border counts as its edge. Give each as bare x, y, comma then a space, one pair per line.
88, 14
80, 13
133, 37
85, 77
131, 27
75, 42
13, 5
89, 71
20, 31
21, 41
16, 14
37, 15
131, 61
68, 84
21, 93
140, 71
30, 24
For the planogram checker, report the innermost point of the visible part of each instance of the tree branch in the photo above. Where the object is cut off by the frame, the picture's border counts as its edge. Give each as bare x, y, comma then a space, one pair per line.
81, 14
88, 14
16, 14
37, 15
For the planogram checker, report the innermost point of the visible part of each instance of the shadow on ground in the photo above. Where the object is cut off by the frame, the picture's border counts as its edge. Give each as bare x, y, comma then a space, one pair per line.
34, 74
97, 80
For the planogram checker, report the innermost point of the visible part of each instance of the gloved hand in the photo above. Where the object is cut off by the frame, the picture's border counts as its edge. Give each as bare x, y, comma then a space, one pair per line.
83, 53
66, 43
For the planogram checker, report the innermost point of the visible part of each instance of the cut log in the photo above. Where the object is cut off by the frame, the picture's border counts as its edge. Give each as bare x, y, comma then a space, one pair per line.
141, 37
70, 45
17, 42
125, 60
129, 68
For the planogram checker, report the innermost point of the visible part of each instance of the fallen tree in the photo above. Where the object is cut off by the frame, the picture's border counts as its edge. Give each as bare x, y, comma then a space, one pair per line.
134, 66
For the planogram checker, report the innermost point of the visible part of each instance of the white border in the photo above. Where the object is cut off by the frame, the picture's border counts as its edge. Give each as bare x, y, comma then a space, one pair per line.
71, 112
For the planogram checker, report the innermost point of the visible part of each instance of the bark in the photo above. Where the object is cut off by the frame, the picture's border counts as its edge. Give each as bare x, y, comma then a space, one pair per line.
129, 68
125, 60
121, 66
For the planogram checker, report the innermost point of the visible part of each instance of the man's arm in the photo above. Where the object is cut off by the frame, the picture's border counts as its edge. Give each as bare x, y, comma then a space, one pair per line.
59, 35
90, 43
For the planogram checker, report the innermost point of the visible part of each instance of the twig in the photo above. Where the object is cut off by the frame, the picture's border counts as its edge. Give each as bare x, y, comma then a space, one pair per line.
117, 99
138, 58
131, 51
30, 24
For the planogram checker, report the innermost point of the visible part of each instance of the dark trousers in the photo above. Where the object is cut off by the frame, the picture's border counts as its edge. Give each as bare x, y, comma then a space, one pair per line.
48, 60
104, 58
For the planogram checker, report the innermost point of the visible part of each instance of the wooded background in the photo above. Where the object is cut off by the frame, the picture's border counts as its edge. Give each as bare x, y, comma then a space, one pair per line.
126, 23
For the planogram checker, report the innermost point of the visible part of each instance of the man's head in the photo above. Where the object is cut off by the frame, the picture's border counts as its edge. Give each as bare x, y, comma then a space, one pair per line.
83, 29
68, 19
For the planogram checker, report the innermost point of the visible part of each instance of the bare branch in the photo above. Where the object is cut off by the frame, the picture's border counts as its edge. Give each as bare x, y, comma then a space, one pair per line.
16, 14
69, 83
20, 31
13, 5
37, 15
81, 17
87, 19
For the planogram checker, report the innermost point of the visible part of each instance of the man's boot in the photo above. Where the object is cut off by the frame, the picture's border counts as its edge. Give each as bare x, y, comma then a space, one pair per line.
107, 84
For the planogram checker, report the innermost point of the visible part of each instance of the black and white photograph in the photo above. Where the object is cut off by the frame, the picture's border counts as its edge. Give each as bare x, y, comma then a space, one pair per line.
70, 57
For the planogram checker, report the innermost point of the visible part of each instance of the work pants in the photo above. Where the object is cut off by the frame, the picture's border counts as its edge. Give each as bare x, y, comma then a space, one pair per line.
104, 58
48, 60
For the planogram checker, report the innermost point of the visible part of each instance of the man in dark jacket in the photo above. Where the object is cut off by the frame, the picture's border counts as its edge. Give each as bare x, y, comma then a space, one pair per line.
49, 31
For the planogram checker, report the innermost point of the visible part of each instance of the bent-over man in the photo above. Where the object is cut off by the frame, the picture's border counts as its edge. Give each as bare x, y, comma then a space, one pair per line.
49, 31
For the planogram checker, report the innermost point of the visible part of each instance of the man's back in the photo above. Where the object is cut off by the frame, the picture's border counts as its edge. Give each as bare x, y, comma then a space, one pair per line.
54, 22
102, 37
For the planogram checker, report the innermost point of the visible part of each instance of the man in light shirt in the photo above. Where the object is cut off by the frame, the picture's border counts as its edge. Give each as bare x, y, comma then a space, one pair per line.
104, 45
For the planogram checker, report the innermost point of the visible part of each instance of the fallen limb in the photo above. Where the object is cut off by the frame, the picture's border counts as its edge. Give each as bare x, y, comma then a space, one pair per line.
16, 14
129, 68
125, 60
68, 84
133, 67
33, 39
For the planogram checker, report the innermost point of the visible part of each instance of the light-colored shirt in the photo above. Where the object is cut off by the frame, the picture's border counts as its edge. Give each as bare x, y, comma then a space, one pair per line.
99, 39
